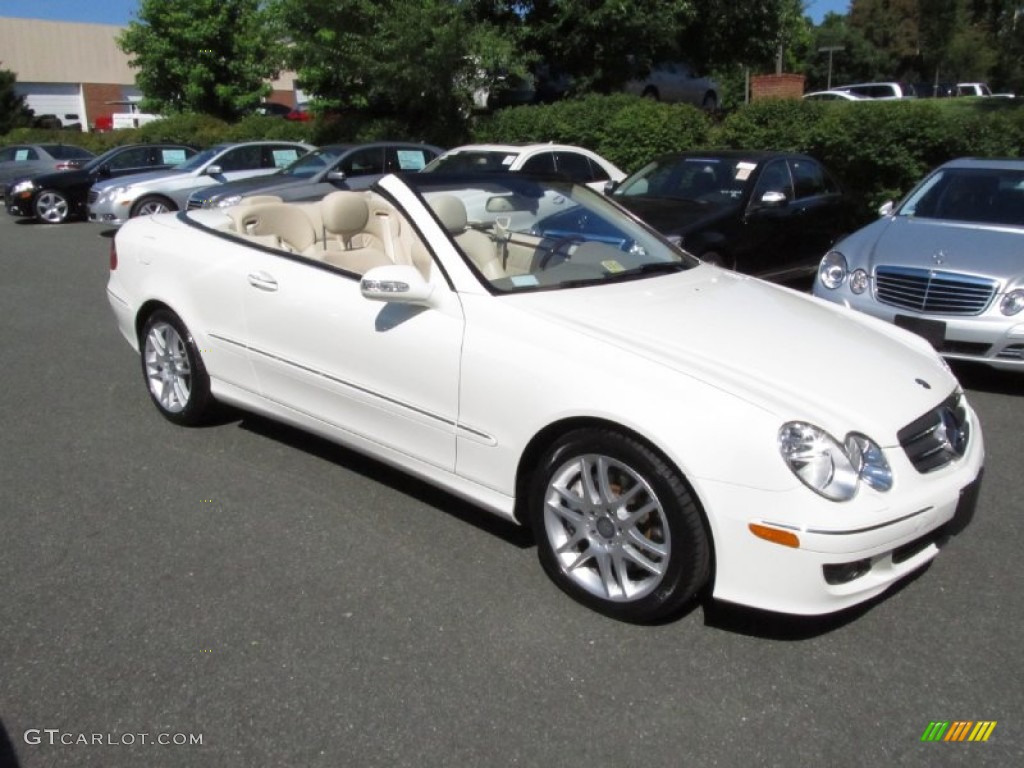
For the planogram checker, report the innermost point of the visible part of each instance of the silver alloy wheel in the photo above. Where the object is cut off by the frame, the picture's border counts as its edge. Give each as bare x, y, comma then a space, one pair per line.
51, 207
167, 368
151, 206
607, 528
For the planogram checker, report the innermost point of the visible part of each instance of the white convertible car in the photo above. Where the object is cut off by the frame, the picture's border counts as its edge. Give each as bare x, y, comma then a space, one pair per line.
668, 429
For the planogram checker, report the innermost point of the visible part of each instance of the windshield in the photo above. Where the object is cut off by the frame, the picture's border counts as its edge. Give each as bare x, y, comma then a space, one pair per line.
473, 161
981, 195
313, 163
526, 234
198, 161
705, 179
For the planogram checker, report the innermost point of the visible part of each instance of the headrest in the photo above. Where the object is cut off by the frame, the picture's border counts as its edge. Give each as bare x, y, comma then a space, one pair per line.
344, 212
451, 212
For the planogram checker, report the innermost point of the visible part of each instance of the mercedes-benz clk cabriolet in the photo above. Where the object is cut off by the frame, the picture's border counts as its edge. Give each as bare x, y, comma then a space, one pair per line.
669, 430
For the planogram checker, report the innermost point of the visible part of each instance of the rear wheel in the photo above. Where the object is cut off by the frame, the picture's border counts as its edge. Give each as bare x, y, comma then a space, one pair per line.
174, 372
153, 204
52, 207
617, 528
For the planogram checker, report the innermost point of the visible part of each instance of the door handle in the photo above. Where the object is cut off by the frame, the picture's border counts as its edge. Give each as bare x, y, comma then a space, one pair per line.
263, 281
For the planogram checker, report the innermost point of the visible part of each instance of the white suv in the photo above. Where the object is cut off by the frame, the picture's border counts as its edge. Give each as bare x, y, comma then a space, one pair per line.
880, 90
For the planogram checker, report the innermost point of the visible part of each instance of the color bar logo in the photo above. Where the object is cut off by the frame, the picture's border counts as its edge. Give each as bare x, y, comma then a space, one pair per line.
958, 730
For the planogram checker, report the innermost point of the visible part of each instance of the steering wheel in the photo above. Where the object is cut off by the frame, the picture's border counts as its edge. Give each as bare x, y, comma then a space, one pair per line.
564, 244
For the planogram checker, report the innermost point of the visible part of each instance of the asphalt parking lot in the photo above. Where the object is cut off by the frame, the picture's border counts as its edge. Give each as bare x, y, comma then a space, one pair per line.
288, 603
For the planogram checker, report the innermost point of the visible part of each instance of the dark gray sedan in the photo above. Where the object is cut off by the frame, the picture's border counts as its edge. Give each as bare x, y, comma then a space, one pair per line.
946, 263
333, 167
20, 160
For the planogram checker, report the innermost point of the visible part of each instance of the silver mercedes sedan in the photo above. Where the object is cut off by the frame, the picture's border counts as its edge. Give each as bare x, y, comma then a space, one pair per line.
947, 263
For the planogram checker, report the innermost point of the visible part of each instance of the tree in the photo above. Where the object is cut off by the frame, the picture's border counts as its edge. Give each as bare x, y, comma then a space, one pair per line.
209, 56
858, 61
14, 113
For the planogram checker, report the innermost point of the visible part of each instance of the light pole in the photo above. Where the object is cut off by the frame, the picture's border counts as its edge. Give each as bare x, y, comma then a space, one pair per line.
830, 49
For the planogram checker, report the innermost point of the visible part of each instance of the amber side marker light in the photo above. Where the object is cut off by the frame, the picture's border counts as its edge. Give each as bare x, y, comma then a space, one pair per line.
775, 536
113, 256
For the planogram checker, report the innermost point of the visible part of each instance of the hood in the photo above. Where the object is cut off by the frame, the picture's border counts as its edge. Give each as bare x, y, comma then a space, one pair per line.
66, 178
783, 351
141, 178
673, 217
949, 246
253, 183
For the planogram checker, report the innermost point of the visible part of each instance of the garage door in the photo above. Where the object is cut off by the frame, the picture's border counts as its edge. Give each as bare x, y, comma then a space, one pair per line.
63, 100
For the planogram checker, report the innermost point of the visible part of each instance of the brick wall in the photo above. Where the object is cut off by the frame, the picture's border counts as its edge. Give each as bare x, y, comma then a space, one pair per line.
96, 96
776, 87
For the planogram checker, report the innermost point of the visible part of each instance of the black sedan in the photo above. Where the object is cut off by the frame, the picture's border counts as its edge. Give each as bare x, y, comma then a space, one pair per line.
771, 214
322, 171
53, 198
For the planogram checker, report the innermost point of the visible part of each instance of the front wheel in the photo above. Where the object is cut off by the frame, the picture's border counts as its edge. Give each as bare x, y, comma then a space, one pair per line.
617, 528
174, 372
52, 207
152, 204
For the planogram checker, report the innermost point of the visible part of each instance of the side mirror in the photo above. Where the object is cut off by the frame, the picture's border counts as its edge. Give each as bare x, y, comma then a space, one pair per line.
397, 284
336, 176
103, 171
214, 170
886, 208
773, 199
610, 186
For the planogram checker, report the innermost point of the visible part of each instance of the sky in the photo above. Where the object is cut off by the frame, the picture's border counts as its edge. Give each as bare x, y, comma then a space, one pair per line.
120, 12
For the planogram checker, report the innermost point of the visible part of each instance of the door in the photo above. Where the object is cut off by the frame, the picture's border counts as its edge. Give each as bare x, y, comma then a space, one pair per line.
765, 246
818, 210
383, 373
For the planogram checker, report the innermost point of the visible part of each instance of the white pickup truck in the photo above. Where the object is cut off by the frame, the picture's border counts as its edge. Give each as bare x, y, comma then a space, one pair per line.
132, 118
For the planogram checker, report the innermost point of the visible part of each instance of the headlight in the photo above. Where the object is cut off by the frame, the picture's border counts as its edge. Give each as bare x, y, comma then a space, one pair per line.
832, 270
831, 468
114, 192
22, 186
1012, 303
858, 281
226, 201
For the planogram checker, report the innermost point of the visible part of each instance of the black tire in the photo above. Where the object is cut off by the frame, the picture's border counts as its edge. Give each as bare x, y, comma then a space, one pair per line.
151, 204
710, 102
617, 528
51, 207
173, 370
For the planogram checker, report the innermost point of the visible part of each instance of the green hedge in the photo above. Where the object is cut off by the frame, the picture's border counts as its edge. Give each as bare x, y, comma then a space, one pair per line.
878, 149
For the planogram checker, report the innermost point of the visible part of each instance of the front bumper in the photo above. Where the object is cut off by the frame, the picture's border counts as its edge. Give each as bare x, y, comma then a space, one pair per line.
18, 206
990, 338
852, 551
109, 211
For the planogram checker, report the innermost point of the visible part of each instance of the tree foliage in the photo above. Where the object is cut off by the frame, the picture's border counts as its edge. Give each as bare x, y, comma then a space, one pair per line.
14, 113
209, 56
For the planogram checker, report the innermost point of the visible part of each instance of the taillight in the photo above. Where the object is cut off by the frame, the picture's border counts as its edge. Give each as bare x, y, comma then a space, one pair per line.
113, 256
65, 165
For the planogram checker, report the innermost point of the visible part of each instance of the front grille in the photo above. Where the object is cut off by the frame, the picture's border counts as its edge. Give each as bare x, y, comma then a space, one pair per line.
927, 290
939, 437
93, 196
976, 348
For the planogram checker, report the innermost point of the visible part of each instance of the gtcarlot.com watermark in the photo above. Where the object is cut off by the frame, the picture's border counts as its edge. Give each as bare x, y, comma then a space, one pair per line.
56, 737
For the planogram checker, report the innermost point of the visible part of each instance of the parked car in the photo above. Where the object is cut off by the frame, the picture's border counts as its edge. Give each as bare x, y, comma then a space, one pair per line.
575, 163
947, 263
273, 109
324, 170
18, 161
53, 198
886, 91
833, 96
764, 213
113, 202
300, 112
664, 426
676, 81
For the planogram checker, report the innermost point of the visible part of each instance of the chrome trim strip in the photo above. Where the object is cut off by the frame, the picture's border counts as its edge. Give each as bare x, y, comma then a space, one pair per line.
783, 526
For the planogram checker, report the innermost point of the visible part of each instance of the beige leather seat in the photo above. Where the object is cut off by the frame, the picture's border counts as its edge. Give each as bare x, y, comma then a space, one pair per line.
274, 224
480, 249
346, 243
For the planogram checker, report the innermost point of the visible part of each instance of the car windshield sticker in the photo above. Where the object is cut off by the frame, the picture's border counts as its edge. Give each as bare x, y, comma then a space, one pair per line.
743, 170
612, 265
411, 159
173, 156
283, 157
21, 154
523, 281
